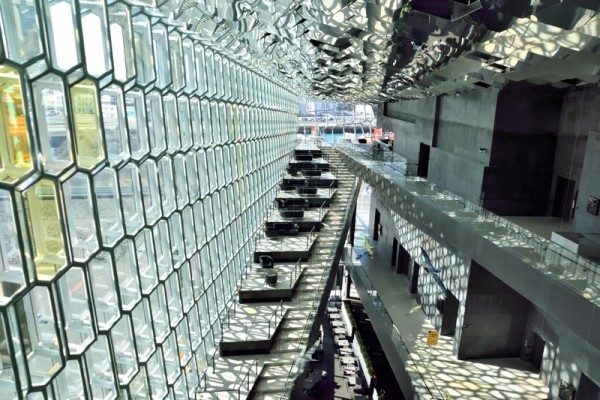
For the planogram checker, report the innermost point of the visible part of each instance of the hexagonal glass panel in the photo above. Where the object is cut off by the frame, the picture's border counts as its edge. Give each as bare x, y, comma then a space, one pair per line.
176, 234
124, 350
95, 37
21, 29
144, 247
45, 228
190, 66
171, 358
80, 216
109, 206
136, 123
160, 314
150, 191
142, 328
99, 365
113, 120
196, 121
199, 224
15, 151
38, 327
52, 123
174, 300
185, 129
181, 189
104, 291
88, 133
167, 187
12, 276
211, 84
62, 34
126, 267
200, 70
171, 124
192, 176
187, 293
183, 343
156, 127
160, 41
162, 246
76, 310
121, 39
177, 67
69, 383
131, 198
144, 56
156, 370
206, 123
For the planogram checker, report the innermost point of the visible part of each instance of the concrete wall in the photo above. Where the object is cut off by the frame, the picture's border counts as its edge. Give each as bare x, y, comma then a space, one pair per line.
566, 355
578, 118
465, 124
412, 121
495, 318
589, 185
454, 267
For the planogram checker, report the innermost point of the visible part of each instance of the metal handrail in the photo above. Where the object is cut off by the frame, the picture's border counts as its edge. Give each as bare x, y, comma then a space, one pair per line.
550, 253
297, 366
388, 322
246, 379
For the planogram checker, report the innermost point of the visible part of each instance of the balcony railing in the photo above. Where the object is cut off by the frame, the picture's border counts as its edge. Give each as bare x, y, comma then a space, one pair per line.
570, 269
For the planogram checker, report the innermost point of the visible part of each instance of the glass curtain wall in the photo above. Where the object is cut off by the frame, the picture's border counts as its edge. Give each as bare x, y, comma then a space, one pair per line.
136, 162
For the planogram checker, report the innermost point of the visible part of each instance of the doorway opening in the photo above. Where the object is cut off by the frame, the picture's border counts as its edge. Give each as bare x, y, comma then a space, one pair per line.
403, 261
415, 278
394, 252
563, 198
449, 314
423, 166
537, 351
588, 389
376, 225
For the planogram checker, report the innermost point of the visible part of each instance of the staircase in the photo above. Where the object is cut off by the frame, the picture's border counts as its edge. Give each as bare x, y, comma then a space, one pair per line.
278, 349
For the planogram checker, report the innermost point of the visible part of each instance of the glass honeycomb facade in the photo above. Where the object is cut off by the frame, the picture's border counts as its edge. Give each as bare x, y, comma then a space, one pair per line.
136, 162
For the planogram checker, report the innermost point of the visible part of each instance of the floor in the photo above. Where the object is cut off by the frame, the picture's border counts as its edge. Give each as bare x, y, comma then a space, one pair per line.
438, 374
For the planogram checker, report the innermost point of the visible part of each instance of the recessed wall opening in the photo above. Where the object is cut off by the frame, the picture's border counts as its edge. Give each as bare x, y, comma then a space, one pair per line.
376, 225
449, 314
563, 198
423, 160
394, 252
537, 351
588, 389
403, 261
495, 318
414, 279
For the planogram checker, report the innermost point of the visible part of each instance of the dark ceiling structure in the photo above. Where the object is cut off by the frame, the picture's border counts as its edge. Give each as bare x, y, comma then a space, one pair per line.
385, 50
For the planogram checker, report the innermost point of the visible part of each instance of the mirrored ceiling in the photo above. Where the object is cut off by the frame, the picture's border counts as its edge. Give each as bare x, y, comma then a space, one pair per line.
384, 50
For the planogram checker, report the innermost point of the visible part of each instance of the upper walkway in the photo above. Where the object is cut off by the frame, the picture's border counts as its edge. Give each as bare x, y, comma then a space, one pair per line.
435, 372
411, 196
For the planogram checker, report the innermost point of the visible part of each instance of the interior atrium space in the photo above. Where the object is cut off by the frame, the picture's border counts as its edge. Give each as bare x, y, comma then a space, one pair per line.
299, 199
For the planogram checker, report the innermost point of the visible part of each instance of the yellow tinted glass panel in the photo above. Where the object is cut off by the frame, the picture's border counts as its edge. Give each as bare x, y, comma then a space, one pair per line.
15, 152
45, 228
88, 133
